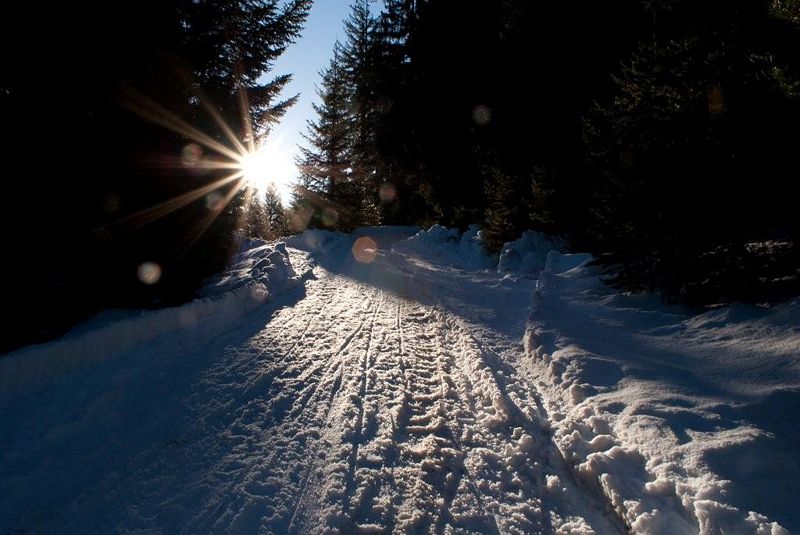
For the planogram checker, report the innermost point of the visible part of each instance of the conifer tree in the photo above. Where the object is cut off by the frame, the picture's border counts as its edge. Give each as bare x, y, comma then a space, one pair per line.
701, 109
507, 209
164, 60
325, 164
390, 73
358, 60
275, 214
256, 224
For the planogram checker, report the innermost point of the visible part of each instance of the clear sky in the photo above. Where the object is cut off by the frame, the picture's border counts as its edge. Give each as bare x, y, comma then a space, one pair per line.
304, 59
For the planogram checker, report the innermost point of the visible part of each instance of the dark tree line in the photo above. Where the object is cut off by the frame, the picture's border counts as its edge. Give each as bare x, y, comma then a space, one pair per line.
693, 158
660, 134
97, 182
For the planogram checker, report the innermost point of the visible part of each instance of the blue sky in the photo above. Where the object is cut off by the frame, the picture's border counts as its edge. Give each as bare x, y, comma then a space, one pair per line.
304, 59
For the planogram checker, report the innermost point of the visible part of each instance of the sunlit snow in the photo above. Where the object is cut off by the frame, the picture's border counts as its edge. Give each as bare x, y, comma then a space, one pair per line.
396, 381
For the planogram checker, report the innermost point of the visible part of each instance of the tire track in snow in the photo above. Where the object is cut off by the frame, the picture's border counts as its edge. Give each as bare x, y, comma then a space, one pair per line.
362, 411
359, 425
262, 484
267, 344
519, 406
226, 390
465, 395
336, 366
339, 369
425, 467
261, 474
332, 365
357, 473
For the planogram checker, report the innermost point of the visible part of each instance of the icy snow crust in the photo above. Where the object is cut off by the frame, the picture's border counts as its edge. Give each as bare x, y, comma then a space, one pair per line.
393, 381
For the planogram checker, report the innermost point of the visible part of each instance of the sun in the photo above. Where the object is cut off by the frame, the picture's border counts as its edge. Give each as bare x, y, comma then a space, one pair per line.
256, 169
269, 164
239, 162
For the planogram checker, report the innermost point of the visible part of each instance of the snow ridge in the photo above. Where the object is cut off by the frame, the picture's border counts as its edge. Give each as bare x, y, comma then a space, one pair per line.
259, 273
630, 414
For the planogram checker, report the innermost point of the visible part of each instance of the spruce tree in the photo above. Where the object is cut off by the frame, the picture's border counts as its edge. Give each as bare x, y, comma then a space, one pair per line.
325, 163
275, 214
358, 60
336, 186
702, 109
164, 61
254, 215
507, 210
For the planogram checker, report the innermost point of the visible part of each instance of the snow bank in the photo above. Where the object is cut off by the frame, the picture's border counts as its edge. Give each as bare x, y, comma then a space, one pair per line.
257, 263
685, 421
337, 251
528, 253
317, 240
447, 246
259, 272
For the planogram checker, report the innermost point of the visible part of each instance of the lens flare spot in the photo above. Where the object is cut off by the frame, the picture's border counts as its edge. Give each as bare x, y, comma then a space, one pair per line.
365, 250
191, 154
300, 219
149, 273
482, 115
259, 293
214, 201
387, 193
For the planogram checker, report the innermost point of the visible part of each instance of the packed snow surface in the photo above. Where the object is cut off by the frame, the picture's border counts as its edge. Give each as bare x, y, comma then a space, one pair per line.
393, 381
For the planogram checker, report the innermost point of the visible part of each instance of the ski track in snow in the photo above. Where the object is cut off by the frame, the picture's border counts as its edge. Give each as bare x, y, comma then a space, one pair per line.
358, 409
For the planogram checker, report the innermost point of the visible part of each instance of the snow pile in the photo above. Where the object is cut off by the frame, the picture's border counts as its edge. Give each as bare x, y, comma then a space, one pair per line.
259, 272
686, 422
337, 251
528, 253
438, 240
257, 263
318, 240
471, 250
385, 236
447, 246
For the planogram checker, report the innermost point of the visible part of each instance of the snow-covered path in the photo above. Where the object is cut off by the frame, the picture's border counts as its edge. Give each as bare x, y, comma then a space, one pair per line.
384, 396
378, 413
374, 384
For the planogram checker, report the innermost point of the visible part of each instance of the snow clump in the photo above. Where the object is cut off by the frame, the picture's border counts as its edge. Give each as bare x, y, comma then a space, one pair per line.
448, 247
528, 254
